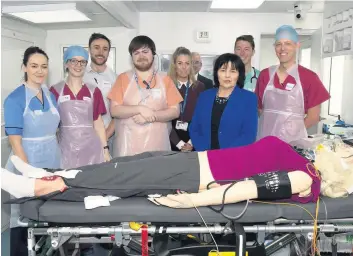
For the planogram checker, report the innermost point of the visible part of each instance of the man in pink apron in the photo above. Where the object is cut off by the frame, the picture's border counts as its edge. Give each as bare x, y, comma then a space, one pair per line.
143, 102
289, 95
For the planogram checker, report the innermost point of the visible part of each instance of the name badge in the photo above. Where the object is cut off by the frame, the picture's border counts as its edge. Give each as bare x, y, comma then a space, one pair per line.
107, 84
289, 86
86, 98
64, 98
38, 112
156, 93
180, 125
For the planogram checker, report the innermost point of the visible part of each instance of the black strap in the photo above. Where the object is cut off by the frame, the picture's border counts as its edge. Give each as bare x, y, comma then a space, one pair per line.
160, 244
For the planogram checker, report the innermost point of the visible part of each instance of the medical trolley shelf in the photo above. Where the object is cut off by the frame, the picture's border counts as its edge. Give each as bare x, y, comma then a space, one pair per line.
338, 34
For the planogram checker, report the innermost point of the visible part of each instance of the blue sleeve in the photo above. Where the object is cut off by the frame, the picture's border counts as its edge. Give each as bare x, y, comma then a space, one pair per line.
197, 139
13, 115
249, 126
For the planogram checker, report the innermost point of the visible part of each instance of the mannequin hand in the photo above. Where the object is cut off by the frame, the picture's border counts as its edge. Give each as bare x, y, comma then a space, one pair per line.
186, 148
139, 119
148, 114
181, 201
107, 156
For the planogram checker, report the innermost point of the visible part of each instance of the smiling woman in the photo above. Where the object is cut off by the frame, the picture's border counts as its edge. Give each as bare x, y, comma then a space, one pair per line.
82, 136
31, 121
182, 73
225, 116
111, 59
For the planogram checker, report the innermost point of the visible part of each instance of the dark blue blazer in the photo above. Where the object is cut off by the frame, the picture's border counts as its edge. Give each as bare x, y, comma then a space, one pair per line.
238, 126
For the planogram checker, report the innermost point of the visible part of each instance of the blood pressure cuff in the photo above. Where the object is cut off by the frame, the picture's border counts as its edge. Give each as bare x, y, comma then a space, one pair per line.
273, 185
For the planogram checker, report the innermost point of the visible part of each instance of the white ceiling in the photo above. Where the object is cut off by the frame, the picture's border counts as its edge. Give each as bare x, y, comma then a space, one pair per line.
99, 16
268, 6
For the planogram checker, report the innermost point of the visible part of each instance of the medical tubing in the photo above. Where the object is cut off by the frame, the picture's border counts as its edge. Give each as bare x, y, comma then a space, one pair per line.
233, 182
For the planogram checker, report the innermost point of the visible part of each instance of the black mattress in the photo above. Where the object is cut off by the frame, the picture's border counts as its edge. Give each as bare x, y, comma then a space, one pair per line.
140, 209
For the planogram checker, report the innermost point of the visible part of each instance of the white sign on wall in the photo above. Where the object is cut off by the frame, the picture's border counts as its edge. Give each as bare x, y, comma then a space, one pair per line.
203, 36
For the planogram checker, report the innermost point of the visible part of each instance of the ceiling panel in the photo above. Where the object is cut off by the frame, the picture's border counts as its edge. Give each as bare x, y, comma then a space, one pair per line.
268, 6
171, 6
99, 17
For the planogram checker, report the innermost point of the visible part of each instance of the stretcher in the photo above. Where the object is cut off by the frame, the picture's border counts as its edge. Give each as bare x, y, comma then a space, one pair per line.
275, 225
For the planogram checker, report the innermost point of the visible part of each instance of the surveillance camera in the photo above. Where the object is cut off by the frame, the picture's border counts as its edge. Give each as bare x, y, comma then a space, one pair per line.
298, 12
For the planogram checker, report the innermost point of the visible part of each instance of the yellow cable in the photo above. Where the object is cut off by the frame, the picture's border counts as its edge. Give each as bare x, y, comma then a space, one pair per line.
261, 202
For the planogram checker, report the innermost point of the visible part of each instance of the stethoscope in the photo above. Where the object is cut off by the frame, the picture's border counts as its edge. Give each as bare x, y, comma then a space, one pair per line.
254, 75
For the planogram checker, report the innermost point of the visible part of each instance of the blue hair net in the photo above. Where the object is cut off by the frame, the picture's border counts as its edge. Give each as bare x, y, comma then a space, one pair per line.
287, 32
73, 51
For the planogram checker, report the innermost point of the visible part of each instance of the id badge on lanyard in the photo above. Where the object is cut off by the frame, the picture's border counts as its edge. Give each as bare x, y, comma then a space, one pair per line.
143, 97
181, 125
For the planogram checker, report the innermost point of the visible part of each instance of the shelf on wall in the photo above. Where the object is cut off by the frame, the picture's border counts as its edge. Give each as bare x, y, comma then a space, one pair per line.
341, 26
340, 53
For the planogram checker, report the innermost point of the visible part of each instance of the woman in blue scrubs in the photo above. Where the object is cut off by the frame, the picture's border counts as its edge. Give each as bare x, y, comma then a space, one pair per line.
31, 122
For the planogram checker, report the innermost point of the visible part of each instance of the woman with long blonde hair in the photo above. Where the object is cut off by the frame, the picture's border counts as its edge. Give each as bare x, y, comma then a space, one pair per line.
183, 75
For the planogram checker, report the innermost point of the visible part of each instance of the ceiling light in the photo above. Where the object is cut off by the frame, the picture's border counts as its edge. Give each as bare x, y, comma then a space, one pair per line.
48, 13
236, 4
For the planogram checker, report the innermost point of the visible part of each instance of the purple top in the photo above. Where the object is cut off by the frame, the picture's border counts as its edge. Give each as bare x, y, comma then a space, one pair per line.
266, 155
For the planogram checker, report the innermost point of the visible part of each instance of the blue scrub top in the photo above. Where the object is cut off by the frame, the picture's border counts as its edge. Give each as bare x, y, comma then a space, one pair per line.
248, 84
14, 107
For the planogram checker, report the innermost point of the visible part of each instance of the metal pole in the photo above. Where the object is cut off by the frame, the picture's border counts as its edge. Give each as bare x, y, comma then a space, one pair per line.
217, 229
31, 242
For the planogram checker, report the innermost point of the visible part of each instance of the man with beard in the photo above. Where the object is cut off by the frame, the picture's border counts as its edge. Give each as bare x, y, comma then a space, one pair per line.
143, 102
102, 76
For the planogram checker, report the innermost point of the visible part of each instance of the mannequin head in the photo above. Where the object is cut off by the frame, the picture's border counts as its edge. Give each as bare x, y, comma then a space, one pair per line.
336, 169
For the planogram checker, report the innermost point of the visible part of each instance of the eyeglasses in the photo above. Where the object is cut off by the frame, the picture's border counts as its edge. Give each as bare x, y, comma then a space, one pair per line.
196, 62
75, 62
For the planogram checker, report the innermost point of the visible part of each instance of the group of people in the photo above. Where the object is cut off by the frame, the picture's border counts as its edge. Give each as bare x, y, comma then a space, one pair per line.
140, 115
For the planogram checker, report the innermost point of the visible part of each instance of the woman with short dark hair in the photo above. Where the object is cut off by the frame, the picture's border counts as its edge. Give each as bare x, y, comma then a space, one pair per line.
225, 116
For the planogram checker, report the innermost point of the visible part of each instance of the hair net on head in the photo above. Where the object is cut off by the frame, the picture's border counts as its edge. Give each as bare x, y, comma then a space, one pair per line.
287, 32
73, 51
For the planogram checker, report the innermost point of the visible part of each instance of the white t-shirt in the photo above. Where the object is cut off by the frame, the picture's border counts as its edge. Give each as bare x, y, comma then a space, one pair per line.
104, 81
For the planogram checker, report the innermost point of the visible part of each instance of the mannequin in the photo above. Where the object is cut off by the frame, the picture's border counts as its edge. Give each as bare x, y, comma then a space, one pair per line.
298, 180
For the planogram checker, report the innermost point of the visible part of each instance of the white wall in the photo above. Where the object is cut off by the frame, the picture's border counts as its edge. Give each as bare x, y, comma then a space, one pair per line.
347, 102
268, 55
57, 39
170, 30
16, 36
21, 30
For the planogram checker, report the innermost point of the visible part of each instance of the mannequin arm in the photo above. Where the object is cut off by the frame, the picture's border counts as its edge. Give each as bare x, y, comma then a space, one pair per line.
241, 191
